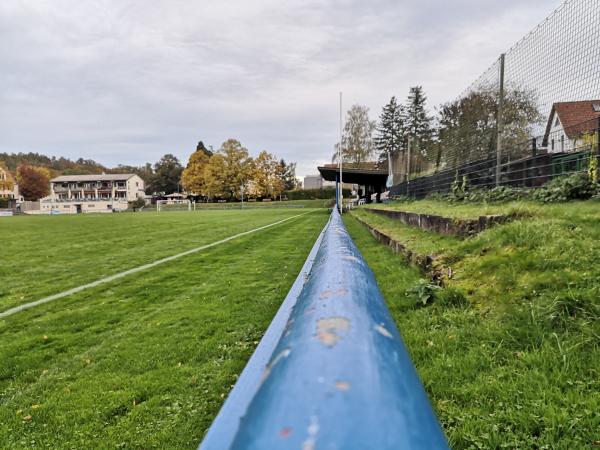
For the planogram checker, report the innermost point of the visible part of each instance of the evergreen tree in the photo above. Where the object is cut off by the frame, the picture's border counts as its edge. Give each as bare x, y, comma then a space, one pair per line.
391, 130
202, 148
418, 122
288, 175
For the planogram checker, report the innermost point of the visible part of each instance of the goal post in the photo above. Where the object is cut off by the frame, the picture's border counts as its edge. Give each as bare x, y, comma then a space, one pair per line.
175, 205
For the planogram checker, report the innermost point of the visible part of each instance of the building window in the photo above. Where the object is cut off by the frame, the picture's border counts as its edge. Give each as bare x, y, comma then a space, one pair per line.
556, 122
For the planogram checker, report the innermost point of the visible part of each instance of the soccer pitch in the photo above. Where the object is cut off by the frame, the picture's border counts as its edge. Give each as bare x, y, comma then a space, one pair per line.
144, 361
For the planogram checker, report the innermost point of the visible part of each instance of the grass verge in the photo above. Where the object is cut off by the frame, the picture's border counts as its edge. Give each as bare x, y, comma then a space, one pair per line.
518, 364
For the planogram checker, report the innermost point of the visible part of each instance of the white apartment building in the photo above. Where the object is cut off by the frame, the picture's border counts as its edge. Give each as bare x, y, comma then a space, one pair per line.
74, 194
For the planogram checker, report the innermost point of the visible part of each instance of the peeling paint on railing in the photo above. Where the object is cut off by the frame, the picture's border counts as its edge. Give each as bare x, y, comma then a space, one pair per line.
339, 377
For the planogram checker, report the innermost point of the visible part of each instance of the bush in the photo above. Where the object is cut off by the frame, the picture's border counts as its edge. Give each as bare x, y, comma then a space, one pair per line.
424, 292
483, 195
3, 203
496, 194
314, 194
572, 187
137, 204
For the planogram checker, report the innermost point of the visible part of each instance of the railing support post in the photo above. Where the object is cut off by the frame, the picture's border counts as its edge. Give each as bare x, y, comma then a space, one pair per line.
500, 120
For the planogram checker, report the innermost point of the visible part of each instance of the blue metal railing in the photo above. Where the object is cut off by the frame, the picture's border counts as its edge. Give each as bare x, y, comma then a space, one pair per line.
337, 376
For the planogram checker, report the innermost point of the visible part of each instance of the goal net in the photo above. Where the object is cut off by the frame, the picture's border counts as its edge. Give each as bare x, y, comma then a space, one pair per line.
174, 205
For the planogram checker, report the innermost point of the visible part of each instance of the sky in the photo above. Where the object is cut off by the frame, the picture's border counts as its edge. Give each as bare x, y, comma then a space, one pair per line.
126, 81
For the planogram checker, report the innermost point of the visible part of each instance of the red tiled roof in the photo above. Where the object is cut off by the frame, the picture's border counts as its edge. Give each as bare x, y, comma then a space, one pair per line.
576, 118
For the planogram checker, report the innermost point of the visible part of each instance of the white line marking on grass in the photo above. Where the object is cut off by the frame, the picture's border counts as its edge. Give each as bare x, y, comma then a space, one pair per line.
16, 309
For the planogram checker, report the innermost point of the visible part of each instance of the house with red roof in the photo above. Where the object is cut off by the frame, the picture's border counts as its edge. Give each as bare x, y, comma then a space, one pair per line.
572, 126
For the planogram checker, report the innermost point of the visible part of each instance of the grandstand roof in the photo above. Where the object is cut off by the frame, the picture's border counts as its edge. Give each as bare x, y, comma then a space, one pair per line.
364, 177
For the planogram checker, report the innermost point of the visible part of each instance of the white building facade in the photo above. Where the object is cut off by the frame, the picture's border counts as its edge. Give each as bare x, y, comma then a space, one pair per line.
74, 194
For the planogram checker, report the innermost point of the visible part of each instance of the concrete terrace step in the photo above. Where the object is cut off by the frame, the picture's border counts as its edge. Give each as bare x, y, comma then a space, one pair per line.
449, 226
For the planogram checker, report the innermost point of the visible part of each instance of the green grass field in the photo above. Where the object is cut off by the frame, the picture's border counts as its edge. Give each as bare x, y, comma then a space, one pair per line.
510, 349
147, 361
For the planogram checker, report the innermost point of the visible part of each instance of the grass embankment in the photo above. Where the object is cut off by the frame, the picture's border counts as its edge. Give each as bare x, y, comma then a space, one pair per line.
146, 362
44, 255
459, 210
519, 366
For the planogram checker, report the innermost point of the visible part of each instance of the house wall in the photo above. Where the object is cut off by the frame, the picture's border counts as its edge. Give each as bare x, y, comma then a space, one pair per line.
70, 207
558, 141
135, 188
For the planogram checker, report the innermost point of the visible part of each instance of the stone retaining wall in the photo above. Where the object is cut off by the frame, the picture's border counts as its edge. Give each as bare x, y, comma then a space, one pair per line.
443, 225
426, 263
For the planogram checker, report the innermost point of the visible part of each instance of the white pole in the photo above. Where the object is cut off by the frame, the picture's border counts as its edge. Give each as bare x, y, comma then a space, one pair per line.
341, 195
242, 189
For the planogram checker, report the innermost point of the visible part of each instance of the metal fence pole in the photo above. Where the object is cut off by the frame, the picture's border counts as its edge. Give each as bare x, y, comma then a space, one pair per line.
408, 165
500, 120
598, 138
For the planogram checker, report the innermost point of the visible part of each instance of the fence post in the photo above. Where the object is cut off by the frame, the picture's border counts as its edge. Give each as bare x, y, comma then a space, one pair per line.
534, 147
598, 138
500, 120
408, 166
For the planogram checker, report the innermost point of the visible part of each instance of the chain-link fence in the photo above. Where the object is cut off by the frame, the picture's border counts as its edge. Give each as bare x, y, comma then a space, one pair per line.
533, 115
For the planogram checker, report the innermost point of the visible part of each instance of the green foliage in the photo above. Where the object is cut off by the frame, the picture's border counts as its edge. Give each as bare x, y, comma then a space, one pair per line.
419, 125
572, 187
3, 202
167, 173
496, 194
458, 188
357, 136
424, 292
313, 194
137, 203
391, 130
593, 167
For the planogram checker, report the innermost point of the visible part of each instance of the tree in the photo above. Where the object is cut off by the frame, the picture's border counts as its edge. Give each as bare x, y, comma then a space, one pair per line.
214, 179
34, 182
357, 136
193, 176
267, 176
467, 127
391, 130
418, 122
288, 175
6, 184
227, 170
202, 148
167, 174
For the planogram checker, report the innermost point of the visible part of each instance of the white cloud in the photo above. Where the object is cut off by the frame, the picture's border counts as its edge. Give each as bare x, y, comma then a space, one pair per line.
127, 81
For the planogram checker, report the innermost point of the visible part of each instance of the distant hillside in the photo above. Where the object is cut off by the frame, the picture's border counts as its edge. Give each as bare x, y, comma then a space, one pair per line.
65, 166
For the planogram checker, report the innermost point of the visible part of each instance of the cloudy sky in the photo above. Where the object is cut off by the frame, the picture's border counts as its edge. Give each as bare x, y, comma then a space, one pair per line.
125, 81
